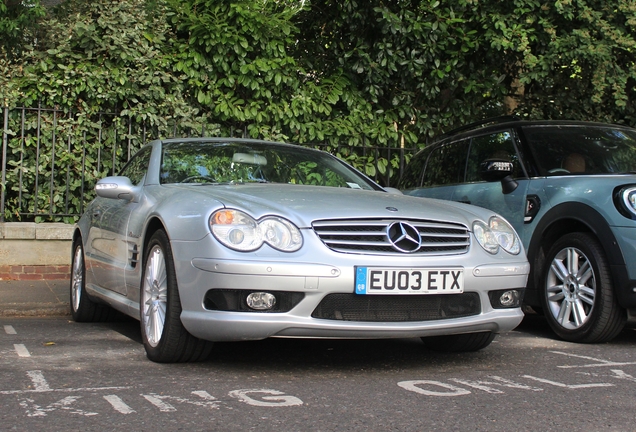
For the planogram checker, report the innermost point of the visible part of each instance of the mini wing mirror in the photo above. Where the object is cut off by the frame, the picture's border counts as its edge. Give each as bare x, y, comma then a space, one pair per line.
499, 170
117, 187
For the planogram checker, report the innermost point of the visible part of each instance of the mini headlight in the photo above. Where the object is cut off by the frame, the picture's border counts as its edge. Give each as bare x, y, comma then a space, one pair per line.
498, 233
241, 232
628, 196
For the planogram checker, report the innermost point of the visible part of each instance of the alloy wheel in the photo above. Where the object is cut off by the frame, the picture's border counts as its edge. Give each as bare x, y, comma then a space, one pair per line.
155, 292
571, 288
77, 276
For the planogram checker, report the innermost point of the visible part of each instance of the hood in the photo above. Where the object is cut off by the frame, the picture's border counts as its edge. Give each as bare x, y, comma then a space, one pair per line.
303, 204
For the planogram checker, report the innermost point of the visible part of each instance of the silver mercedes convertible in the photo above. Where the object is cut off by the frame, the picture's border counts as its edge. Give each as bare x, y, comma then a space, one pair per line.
219, 239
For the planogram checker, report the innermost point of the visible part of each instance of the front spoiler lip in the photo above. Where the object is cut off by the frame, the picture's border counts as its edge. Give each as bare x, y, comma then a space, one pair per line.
237, 326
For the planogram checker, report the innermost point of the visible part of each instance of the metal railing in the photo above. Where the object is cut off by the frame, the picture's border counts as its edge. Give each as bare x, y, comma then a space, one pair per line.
51, 158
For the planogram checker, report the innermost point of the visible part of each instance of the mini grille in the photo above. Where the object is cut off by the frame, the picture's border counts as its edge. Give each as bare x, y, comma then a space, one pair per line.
386, 308
372, 236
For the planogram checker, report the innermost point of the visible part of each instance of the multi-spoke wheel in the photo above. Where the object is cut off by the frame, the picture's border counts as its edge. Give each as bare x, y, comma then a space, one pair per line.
83, 309
578, 297
467, 342
155, 296
163, 334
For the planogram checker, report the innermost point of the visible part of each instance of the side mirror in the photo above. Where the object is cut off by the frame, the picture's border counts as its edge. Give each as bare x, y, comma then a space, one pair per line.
498, 170
117, 187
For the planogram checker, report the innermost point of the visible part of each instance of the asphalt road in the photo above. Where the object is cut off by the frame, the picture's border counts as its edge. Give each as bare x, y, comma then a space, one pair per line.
60, 375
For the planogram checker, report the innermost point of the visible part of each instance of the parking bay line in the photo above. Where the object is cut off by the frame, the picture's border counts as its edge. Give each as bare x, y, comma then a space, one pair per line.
599, 362
118, 404
9, 330
40, 385
21, 350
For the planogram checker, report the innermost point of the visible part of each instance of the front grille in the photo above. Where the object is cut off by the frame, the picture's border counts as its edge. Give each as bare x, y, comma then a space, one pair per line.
372, 236
389, 308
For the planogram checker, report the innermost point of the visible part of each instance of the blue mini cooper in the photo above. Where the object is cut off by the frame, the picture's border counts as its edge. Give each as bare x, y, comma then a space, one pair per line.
569, 189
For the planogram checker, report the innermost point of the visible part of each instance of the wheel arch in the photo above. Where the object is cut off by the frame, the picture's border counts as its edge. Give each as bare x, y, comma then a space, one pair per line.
154, 224
77, 236
564, 219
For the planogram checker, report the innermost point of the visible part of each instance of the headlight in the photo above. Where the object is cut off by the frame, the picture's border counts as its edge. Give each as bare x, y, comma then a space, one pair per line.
241, 232
498, 233
625, 200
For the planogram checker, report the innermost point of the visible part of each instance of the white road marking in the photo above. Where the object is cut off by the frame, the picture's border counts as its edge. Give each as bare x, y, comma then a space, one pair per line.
622, 375
159, 401
21, 350
156, 401
512, 384
450, 390
9, 330
569, 386
496, 381
118, 404
66, 390
41, 386
34, 410
279, 399
599, 362
38, 380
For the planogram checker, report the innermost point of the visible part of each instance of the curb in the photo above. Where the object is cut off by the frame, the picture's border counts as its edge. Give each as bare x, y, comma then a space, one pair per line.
36, 310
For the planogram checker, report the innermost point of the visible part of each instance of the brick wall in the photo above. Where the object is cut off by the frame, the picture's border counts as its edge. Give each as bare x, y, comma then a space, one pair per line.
30, 251
35, 272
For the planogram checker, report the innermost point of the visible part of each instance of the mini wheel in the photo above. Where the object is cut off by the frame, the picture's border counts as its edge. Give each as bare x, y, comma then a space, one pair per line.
577, 295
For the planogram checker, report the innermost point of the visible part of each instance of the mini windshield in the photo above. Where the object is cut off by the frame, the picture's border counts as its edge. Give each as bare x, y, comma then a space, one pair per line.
255, 162
589, 149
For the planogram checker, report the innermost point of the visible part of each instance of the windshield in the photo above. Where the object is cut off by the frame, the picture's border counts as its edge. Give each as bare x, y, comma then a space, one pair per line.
589, 149
255, 162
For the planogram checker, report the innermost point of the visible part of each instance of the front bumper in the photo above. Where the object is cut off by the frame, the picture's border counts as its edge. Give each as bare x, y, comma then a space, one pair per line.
196, 276
624, 275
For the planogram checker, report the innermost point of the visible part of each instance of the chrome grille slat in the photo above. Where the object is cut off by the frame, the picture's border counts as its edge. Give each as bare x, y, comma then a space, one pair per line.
361, 236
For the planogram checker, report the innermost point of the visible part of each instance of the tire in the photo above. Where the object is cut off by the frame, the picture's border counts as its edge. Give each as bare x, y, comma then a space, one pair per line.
83, 309
577, 293
164, 337
466, 342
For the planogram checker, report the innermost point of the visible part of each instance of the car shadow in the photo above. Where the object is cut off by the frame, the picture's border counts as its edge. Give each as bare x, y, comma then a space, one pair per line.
307, 355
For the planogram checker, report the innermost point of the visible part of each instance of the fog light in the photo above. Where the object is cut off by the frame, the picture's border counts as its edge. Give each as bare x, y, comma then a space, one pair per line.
509, 298
261, 300
503, 299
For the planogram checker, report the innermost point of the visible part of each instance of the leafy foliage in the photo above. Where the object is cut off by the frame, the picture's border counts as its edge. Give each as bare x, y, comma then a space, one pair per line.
342, 76
17, 25
573, 59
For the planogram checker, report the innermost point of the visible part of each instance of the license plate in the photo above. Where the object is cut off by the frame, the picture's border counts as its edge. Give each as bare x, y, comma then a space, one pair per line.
378, 280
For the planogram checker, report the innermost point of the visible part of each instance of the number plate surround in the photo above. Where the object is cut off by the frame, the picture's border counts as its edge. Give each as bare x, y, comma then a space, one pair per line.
408, 281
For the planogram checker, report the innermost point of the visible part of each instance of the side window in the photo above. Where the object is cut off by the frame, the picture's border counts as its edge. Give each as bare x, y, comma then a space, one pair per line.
136, 167
499, 145
446, 164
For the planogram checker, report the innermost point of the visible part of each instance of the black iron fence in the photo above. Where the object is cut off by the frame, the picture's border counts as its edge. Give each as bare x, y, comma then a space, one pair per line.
51, 158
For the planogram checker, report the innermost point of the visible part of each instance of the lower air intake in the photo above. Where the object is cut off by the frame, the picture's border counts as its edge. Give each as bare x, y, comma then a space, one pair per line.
385, 308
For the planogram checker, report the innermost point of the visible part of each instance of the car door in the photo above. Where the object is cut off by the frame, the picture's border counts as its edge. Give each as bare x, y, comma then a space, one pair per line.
489, 194
113, 252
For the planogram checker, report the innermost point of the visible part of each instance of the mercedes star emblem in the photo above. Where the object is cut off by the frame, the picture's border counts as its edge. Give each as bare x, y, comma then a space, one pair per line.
404, 237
